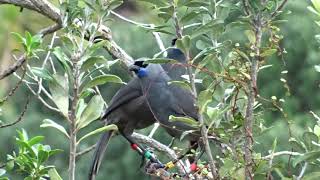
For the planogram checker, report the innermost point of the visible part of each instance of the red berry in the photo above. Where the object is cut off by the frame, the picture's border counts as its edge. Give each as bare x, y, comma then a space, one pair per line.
193, 167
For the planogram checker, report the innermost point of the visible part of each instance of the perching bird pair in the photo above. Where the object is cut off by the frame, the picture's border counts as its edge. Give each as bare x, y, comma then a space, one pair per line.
146, 99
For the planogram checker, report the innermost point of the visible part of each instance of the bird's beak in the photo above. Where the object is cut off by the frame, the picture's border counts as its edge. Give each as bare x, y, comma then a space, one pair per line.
134, 68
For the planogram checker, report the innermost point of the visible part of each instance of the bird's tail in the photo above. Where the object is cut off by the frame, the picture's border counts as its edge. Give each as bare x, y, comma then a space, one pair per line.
99, 153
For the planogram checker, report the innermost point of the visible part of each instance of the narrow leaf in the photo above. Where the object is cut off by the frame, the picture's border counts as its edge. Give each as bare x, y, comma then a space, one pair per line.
102, 80
59, 89
50, 123
110, 127
91, 112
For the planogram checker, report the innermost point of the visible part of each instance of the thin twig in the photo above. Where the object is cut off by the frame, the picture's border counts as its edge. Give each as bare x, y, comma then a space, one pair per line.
246, 7
20, 117
204, 131
303, 170
159, 147
277, 11
85, 151
14, 67
289, 153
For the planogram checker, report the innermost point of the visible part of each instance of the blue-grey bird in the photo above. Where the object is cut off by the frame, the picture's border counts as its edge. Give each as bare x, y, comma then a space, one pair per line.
129, 110
165, 99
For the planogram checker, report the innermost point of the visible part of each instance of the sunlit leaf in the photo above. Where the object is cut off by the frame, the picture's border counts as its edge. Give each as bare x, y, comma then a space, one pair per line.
59, 89
91, 61
308, 157
102, 80
204, 98
42, 73
159, 61
53, 174
92, 111
110, 127
184, 119
268, 52
50, 123
181, 84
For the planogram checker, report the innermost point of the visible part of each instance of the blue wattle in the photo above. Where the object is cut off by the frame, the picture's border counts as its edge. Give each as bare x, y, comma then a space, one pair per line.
142, 72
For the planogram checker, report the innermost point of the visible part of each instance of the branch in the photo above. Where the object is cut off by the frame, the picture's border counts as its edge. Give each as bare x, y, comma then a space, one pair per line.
14, 67
252, 92
85, 151
289, 153
159, 147
246, 7
204, 130
41, 6
112, 47
303, 170
20, 117
277, 11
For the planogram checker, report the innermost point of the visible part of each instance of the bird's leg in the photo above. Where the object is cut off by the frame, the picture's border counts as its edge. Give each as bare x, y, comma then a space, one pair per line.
143, 152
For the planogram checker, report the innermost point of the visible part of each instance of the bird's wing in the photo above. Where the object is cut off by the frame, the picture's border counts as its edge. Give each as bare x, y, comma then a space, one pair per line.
184, 102
125, 94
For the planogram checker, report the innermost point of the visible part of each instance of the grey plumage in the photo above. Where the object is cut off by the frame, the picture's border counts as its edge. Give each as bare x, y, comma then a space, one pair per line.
166, 99
129, 110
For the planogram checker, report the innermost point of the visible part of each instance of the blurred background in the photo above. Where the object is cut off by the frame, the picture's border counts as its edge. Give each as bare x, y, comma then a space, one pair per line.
121, 162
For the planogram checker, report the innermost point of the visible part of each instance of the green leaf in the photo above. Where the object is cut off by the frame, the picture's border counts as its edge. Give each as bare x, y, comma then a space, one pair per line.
114, 4
242, 54
43, 156
110, 127
10, 164
19, 38
159, 61
91, 112
311, 9
186, 120
251, 36
308, 157
2, 172
50, 123
42, 73
157, 2
316, 130
308, 137
102, 80
316, 4
185, 133
80, 108
53, 174
204, 98
196, 4
317, 67
181, 84
63, 59
59, 89
268, 52
28, 39
184, 43
91, 61
297, 146
35, 140
189, 16
312, 176
86, 93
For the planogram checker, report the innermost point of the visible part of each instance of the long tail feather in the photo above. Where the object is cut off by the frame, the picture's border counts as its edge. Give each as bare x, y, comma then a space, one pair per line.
99, 154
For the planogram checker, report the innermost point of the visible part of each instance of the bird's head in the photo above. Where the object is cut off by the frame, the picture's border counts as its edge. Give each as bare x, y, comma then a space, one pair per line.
139, 68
